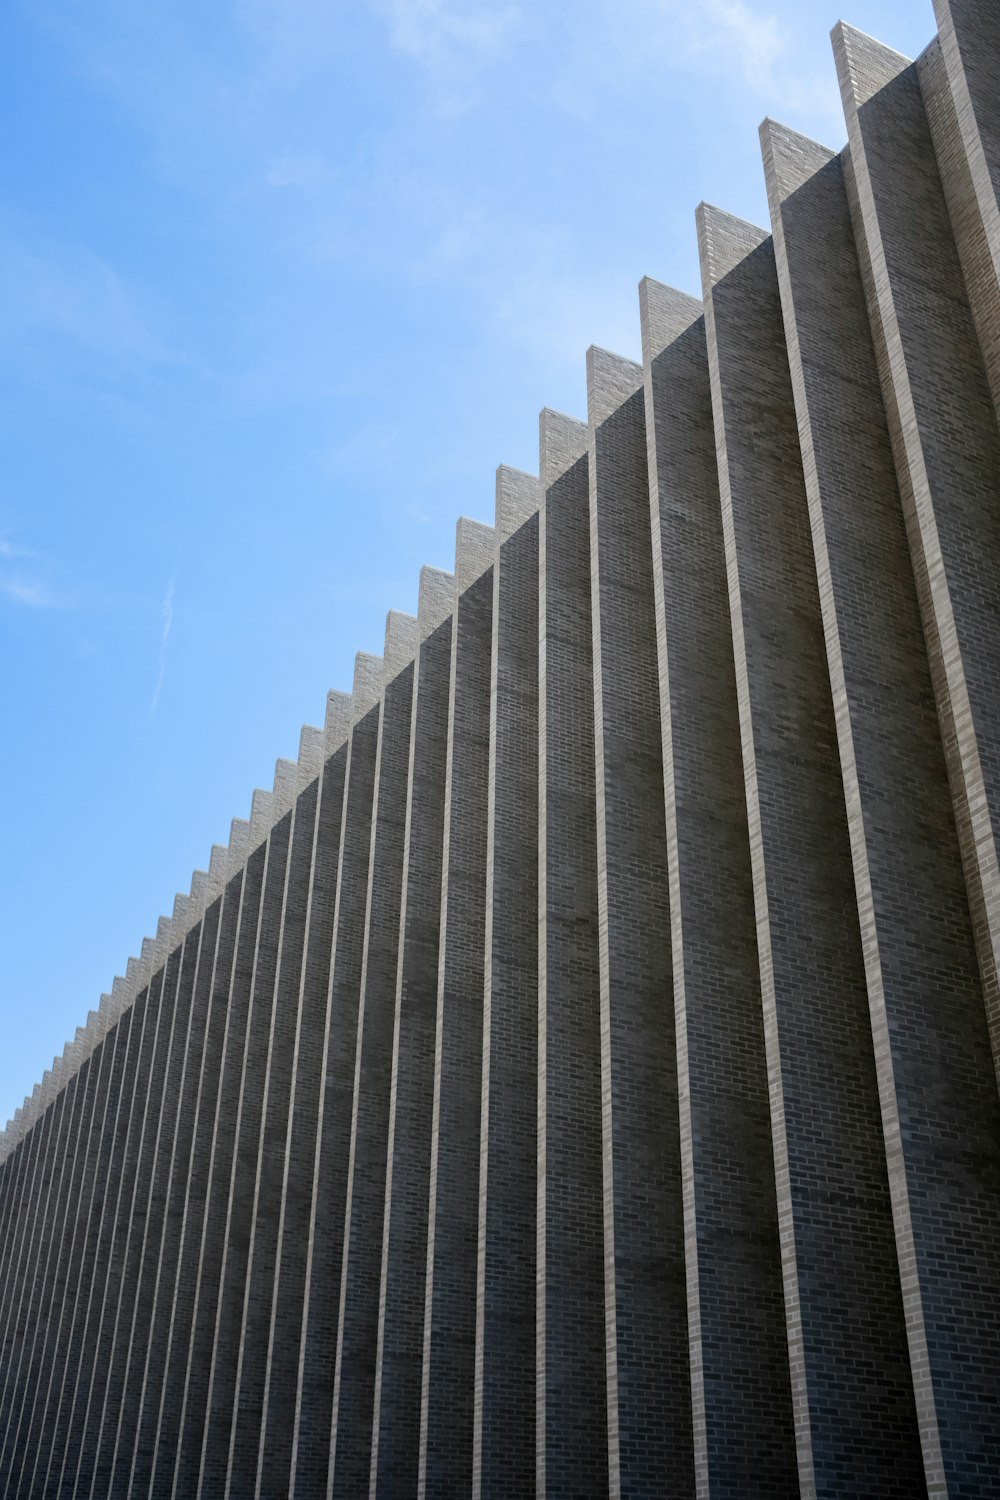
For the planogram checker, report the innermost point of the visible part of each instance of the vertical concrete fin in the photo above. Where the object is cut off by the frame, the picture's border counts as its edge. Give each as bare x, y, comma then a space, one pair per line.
970, 42
665, 313
562, 442
445, 1395
946, 446
969, 189
518, 498
888, 738
646, 1313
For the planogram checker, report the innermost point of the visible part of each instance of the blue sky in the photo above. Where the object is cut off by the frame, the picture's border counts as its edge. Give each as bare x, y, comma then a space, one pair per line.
281, 282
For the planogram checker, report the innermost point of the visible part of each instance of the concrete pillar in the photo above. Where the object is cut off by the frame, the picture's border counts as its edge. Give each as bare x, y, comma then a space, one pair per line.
396, 1416
160, 1432
650, 1448
285, 1333
357, 1334
267, 1150
61, 1462
736, 1325
958, 75
169, 1209
41, 1432
321, 1297
182, 1422
240, 1201
945, 440
571, 1439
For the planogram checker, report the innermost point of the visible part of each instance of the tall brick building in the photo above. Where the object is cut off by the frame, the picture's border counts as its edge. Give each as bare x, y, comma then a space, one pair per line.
579, 1077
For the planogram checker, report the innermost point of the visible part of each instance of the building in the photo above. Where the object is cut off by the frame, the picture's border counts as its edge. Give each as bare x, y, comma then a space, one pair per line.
579, 1075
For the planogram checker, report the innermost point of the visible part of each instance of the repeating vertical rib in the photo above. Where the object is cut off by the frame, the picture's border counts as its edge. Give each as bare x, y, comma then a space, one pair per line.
935, 394
914, 914
41, 1433
47, 1213
829, 1165
110, 1264
267, 1149
736, 1328
396, 1417
449, 1331
125, 1385
357, 1334
22, 1446
166, 966
161, 1431
611, 988
571, 1441
82, 1330
649, 1402
34, 1192
169, 1211
285, 1332
182, 1416
235, 1250
945, 441
964, 115
503, 1450
321, 1297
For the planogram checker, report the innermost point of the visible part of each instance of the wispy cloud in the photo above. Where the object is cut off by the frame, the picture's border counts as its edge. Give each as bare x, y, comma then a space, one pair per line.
433, 32
11, 550
167, 618
307, 170
34, 593
71, 294
750, 43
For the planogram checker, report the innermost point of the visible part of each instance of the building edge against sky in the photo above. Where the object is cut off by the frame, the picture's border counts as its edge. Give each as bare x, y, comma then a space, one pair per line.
579, 1075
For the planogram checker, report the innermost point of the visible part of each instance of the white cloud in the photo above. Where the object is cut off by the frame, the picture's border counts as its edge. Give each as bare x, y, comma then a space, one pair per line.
290, 170
167, 618
70, 293
433, 31
33, 593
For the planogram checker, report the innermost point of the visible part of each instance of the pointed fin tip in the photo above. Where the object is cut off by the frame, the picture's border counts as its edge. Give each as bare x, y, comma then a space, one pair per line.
337, 721
312, 746
562, 442
286, 779
400, 643
723, 242
474, 546
790, 160
612, 379
436, 599
864, 65
368, 671
518, 496
664, 314
261, 804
